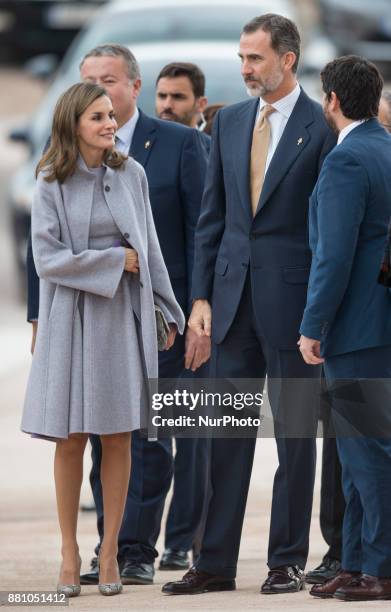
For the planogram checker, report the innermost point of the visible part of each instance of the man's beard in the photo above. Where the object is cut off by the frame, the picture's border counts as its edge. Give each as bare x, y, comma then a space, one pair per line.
268, 86
168, 115
330, 121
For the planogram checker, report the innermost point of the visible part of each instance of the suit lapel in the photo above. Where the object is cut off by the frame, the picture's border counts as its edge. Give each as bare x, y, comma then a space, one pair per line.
143, 139
292, 143
242, 134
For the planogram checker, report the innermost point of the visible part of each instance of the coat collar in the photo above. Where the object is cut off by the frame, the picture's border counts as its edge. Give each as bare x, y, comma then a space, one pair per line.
120, 202
366, 126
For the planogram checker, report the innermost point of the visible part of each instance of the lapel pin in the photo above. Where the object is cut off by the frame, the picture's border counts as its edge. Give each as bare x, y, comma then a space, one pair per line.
299, 141
147, 144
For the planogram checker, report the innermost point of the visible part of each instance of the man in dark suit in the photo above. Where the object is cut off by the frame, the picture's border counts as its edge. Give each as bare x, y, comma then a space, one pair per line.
332, 502
249, 285
174, 158
180, 97
347, 320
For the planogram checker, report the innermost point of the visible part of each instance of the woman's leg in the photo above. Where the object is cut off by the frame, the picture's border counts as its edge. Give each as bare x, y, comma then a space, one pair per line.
68, 475
115, 472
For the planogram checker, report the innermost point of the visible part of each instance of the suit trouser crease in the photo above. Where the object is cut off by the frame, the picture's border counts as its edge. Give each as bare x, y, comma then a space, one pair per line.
366, 461
245, 353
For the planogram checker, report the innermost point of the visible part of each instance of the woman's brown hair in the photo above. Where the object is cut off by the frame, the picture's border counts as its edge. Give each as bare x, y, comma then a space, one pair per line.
61, 157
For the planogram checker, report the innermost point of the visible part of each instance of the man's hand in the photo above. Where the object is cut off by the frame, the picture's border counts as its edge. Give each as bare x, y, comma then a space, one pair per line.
34, 337
200, 320
310, 350
171, 336
197, 350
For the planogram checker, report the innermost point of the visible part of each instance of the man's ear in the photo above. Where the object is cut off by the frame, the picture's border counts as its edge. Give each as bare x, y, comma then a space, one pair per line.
202, 103
334, 103
136, 88
289, 60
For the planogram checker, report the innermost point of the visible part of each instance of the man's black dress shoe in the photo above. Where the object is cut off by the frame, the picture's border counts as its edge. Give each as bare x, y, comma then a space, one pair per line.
327, 570
284, 579
133, 572
174, 560
196, 581
91, 577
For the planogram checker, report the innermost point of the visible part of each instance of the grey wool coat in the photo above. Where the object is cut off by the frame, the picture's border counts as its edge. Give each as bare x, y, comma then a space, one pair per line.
66, 266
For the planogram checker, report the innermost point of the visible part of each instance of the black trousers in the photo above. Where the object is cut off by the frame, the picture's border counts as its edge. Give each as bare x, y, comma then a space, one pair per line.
292, 385
332, 501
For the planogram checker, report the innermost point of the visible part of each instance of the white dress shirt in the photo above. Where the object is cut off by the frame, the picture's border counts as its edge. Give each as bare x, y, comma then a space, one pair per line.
346, 130
279, 119
124, 136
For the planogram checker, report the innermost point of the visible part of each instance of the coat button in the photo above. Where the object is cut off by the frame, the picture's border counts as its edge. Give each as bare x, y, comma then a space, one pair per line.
126, 235
107, 188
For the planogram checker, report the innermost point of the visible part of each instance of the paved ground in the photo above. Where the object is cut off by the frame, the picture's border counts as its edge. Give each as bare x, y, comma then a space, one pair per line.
29, 550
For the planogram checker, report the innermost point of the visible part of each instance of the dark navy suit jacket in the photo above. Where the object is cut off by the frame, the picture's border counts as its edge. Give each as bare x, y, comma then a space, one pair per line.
174, 158
274, 243
349, 214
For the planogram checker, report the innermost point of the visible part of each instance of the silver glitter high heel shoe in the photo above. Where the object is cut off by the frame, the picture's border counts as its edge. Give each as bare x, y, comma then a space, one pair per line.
70, 590
109, 588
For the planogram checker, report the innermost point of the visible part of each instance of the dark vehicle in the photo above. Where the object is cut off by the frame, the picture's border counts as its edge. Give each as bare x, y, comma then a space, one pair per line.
362, 27
32, 27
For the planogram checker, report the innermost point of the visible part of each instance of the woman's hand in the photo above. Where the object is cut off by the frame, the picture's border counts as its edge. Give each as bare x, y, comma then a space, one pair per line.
34, 336
171, 336
131, 261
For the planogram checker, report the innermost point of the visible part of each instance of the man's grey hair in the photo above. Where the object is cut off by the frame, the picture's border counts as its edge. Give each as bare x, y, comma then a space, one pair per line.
115, 50
283, 32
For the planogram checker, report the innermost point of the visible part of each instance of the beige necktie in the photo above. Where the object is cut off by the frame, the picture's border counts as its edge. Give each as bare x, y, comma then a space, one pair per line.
259, 151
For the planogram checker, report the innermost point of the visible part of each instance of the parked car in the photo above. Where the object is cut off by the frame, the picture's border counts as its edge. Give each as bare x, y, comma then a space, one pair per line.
150, 21
30, 27
361, 27
217, 57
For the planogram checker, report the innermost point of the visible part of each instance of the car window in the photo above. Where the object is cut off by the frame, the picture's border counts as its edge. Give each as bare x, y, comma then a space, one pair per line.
168, 24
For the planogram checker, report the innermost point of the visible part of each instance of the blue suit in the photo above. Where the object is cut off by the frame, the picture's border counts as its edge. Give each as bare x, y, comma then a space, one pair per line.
254, 272
174, 158
350, 313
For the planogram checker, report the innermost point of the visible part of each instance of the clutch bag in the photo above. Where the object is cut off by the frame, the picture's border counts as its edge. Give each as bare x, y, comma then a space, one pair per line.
162, 328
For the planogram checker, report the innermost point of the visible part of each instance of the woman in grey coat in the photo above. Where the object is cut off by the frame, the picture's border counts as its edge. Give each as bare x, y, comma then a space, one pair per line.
101, 275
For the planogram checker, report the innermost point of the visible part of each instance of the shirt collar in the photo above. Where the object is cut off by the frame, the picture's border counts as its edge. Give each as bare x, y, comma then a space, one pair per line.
346, 130
125, 132
286, 104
